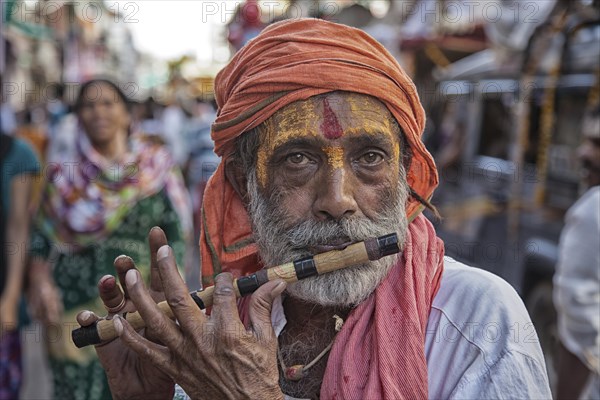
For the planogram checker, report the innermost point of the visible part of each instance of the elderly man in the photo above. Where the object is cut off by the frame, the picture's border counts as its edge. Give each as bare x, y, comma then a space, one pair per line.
319, 129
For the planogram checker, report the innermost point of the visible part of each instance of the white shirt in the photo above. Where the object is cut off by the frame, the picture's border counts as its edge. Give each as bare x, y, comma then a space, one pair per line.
480, 342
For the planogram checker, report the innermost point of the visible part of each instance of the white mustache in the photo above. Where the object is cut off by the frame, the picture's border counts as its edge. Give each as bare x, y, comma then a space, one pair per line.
280, 242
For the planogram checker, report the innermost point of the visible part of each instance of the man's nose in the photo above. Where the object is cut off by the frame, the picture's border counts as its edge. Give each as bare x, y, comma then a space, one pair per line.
335, 198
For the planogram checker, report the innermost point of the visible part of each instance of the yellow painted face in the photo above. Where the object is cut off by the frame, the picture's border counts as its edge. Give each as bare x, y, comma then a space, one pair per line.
326, 119
335, 156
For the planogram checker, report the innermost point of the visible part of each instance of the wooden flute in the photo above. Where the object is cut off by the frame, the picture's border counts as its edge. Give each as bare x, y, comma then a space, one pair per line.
352, 255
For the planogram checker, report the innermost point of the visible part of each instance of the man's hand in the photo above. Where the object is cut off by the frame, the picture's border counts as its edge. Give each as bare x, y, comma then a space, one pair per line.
129, 376
210, 357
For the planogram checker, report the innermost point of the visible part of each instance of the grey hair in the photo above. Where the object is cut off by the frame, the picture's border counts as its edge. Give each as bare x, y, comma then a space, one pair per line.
246, 149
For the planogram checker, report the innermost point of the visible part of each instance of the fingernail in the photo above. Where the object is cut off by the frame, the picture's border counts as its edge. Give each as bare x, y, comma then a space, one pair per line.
163, 252
277, 290
85, 315
118, 324
104, 279
131, 277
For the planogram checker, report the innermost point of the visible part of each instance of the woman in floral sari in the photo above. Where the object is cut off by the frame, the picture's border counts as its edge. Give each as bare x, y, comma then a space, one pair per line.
100, 201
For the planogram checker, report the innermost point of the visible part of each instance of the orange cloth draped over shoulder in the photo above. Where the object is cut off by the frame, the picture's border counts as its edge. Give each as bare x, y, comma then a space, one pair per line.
287, 62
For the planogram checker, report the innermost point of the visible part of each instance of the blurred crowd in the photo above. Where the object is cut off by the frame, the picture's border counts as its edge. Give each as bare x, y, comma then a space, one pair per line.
179, 121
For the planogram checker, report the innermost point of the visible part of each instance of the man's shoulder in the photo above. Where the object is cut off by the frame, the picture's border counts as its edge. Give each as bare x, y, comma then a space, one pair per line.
480, 288
479, 326
476, 299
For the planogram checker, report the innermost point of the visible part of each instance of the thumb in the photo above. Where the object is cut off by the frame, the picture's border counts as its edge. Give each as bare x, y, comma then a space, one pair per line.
261, 304
86, 318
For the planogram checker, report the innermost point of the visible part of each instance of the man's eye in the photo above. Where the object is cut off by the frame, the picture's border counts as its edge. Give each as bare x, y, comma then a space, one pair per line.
371, 158
297, 158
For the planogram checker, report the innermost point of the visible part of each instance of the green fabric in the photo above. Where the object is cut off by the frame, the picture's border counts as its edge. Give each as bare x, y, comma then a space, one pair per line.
20, 160
77, 372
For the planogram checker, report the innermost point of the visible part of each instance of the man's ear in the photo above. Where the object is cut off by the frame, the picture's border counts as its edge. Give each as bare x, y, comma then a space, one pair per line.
236, 176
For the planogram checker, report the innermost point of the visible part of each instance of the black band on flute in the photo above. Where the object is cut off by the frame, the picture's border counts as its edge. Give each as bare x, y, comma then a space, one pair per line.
247, 284
262, 276
382, 246
198, 300
86, 335
388, 245
305, 268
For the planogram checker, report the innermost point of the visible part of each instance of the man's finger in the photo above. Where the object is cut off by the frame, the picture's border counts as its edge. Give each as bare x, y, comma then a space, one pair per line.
86, 318
123, 264
261, 304
152, 352
177, 293
224, 310
111, 294
162, 327
156, 239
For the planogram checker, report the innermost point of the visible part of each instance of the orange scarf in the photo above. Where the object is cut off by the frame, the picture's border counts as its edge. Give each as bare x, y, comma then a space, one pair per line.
290, 61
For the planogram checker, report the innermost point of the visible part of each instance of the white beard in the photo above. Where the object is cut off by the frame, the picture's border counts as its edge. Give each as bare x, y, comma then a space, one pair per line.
279, 244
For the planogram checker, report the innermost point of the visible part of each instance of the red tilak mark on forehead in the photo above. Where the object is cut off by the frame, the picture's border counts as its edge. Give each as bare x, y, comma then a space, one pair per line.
330, 127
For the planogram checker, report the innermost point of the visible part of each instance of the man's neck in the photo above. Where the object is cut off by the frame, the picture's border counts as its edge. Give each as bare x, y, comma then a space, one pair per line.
310, 328
303, 314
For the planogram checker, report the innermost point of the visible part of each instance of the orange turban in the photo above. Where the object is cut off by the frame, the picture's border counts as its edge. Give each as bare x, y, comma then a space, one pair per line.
290, 61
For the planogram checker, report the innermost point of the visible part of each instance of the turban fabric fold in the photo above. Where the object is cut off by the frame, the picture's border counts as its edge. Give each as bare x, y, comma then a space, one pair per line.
295, 60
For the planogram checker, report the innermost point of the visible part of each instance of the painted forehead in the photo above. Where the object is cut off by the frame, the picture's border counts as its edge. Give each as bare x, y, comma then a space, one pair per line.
328, 116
